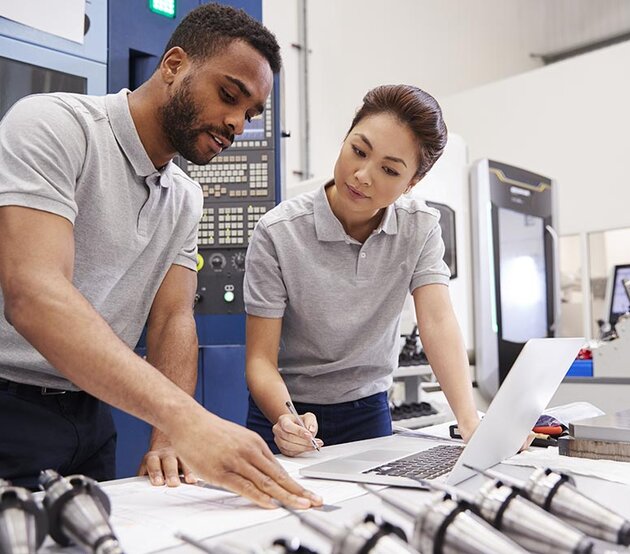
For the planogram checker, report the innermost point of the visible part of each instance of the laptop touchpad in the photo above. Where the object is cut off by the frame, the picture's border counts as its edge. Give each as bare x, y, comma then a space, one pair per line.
378, 455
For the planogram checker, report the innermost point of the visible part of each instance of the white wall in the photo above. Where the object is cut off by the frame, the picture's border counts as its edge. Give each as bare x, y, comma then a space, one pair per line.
355, 45
281, 17
444, 47
569, 121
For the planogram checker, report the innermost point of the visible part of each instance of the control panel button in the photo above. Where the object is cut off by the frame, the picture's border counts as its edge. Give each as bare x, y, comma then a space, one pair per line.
228, 296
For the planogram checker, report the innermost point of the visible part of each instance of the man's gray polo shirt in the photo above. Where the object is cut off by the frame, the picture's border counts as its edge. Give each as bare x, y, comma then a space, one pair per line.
80, 157
340, 300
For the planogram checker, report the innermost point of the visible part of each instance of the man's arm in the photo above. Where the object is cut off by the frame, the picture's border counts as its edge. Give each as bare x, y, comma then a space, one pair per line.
444, 345
172, 348
36, 267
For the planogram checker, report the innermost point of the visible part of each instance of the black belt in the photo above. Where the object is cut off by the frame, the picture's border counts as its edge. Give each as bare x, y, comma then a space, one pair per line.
16, 387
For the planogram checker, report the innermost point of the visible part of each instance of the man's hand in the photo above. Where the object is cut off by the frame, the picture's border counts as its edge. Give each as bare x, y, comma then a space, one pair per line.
161, 463
227, 455
292, 439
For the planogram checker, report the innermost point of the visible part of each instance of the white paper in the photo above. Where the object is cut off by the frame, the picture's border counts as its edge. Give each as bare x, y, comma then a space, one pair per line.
608, 470
567, 413
146, 518
63, 18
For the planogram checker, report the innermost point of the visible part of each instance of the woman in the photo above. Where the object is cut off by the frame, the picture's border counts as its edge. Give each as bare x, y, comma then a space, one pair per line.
326, 277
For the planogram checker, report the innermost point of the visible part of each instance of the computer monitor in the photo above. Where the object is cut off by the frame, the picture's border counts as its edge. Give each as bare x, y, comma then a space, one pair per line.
447, 225
618, 302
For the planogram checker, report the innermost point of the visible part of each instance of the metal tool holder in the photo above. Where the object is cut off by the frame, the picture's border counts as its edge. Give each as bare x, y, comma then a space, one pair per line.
279, 546
444, 526
526, 523
523, 521
78, 513
23, 523
370, 535
557, 494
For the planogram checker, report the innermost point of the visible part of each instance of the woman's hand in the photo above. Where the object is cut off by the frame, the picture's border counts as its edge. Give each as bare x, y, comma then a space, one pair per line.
291, 438
467, 427
528, 441
466, 430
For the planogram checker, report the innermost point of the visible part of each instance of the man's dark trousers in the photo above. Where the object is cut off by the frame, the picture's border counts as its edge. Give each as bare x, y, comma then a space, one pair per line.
40, 428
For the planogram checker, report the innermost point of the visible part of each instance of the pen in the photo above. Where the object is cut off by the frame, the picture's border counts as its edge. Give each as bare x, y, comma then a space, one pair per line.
293, 411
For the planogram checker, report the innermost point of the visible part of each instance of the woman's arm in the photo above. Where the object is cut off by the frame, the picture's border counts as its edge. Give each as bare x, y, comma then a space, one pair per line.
268, 389
443, 343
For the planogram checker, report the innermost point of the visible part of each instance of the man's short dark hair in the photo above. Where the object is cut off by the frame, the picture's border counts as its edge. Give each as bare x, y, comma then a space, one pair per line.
210, 28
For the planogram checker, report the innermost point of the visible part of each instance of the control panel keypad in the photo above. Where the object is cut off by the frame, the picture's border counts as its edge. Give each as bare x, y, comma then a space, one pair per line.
206, 228
235, 177
222, 226
254, 213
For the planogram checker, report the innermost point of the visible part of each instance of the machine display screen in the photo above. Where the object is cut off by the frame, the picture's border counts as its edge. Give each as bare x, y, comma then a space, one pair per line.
254, 129
620, 303
522, 276
19, 79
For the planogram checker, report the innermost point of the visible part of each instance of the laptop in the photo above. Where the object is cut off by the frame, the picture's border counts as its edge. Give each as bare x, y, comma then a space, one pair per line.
525, 393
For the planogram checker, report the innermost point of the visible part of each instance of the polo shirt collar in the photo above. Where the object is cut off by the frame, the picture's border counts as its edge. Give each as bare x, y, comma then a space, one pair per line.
389, 223
126, 134
329, 229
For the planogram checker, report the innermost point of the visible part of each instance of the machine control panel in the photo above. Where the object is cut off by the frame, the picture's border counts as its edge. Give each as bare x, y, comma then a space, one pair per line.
239, 187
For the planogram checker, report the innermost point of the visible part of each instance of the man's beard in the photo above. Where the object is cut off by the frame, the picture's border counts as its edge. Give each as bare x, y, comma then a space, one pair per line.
180, 117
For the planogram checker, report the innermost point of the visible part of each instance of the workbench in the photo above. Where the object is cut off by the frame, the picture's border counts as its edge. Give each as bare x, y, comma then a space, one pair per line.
231, 519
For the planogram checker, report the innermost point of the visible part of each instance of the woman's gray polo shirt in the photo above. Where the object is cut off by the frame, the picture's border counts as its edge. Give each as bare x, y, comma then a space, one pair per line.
340, 300
80, 157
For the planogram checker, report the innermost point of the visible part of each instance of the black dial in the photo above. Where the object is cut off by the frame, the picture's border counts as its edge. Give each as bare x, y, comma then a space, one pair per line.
238, 261
217, 261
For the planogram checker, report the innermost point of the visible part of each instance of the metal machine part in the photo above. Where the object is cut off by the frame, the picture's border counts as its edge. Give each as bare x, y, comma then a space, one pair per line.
279, 546
556, 493
78, 513
368, 536
523, 521
23, 523
446, 526
290, 546
526, 523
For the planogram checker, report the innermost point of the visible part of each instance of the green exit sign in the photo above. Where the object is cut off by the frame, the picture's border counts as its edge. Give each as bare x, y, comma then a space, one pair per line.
163, 7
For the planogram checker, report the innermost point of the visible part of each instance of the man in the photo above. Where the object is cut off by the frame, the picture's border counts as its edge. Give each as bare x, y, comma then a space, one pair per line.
98, 232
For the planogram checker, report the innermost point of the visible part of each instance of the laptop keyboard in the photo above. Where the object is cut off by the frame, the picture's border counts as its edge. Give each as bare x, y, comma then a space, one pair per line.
427, 464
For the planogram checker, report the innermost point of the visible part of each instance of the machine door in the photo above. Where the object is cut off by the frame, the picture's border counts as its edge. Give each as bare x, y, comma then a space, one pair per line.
515, 266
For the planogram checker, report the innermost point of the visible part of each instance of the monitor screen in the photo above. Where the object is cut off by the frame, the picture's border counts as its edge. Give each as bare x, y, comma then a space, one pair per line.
619, 302
19, 79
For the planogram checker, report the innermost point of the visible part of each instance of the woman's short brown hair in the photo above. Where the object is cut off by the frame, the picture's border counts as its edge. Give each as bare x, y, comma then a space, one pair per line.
416, 109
